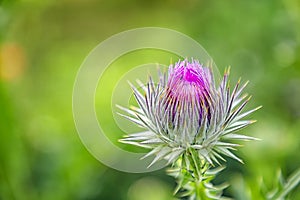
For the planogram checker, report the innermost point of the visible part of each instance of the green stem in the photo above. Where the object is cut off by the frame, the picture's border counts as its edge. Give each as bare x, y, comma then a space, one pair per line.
197, 169
200, 190
191, 171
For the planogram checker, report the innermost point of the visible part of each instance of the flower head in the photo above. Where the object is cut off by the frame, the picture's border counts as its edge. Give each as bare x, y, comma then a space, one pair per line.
185, 110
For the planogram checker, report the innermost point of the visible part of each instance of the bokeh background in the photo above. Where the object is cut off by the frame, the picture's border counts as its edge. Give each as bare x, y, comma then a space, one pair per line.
43, 43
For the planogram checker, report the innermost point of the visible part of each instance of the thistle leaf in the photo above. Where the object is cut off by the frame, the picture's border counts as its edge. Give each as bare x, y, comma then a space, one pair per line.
228, 153
233, 136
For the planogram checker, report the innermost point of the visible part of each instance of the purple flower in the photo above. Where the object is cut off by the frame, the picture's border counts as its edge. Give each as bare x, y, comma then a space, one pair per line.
188, 92
186, 110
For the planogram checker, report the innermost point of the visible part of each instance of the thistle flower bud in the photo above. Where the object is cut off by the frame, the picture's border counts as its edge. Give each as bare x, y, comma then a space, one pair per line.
186, 110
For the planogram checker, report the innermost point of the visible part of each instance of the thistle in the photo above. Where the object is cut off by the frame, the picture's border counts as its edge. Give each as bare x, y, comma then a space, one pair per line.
191, 123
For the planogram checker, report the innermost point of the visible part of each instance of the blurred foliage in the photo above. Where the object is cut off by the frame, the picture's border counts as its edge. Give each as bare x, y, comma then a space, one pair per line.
43, 43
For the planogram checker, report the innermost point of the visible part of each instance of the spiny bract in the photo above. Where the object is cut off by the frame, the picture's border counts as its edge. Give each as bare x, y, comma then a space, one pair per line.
184, 110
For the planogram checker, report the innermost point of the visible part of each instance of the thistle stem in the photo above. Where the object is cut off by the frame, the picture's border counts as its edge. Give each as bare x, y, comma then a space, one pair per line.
191, 176
199, 170
200, 193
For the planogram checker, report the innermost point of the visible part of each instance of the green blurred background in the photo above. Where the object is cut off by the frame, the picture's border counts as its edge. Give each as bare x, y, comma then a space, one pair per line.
43, 43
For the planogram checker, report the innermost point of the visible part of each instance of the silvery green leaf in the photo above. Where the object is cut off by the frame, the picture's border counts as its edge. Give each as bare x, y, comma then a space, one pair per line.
288, 186
160, 155
233, 136
228, 153
215, 171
